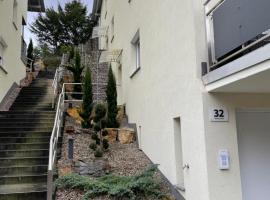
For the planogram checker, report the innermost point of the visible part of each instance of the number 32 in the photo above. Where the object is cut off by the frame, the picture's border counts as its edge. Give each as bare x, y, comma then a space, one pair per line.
219, 113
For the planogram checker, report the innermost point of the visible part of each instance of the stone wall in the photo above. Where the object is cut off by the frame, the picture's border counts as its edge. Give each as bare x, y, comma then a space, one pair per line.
89, 56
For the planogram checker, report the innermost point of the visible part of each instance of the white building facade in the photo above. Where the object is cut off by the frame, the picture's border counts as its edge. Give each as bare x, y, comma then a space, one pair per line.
201, 105
13, 19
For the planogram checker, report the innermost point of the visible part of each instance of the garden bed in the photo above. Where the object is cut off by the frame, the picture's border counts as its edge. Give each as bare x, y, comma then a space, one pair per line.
122, 159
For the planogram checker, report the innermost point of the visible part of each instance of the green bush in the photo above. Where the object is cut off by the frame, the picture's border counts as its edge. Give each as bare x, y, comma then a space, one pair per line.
87, 99
98, 141
119, 187
93, 146
111, 93
100, 112
98, 153
105, 143
51, 63
94, 136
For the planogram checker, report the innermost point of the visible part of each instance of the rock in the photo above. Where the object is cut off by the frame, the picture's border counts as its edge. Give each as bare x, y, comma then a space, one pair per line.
74, 113
112, 134
96, 168
65, 170
126, 136
70, 129
120, 114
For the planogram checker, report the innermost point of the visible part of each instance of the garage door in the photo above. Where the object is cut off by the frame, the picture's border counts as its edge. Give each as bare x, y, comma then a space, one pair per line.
254, 153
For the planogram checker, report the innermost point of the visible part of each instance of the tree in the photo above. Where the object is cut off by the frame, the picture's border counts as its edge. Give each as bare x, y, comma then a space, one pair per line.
30, 57
111, 93
77, 24
87, 104
76, 70
68, 26
49, 29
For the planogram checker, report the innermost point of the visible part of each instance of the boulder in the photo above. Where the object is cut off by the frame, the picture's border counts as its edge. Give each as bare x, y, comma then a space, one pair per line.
64, 170
112, 134
74, 113
126, 136
97, 168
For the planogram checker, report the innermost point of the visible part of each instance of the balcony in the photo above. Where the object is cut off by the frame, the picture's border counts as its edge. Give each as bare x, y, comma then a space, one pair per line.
36, 6
238, 46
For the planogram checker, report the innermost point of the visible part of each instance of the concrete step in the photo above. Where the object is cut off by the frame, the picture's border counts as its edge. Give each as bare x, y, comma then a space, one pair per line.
23, 178
24, 139
16, 133
25, 120
40, 128
14, 112
33, 108
25, 124
23, 169
21, 146
7, 161
23, 153
35, 191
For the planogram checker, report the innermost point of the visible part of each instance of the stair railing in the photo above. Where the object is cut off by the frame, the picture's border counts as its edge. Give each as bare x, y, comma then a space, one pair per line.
56, 132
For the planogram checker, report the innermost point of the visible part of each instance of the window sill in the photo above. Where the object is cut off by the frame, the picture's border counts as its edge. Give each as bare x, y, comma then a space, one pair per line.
135, 72
3, 69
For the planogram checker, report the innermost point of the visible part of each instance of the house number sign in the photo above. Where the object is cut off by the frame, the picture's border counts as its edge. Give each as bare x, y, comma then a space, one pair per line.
219, 114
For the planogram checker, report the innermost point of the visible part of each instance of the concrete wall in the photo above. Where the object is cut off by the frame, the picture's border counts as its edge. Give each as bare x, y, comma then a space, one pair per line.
12, 37
225, 185
167, 86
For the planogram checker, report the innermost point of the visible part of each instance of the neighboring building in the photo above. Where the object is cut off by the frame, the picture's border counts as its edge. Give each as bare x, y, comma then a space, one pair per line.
194, 77
13, 18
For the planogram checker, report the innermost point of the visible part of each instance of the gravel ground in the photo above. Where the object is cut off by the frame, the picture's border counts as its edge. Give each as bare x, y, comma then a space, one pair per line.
125, 160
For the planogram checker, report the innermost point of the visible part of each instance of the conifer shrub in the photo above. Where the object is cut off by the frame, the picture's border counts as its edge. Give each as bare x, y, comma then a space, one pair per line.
135, 187
105, 144
111, 93
87, 104
98, 153
76, 70
93, 146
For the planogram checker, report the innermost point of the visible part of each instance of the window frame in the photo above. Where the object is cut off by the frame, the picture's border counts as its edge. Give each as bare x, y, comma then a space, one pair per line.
15, 14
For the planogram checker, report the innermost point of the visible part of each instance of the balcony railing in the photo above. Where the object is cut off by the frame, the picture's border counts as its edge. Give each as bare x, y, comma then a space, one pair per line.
232, 32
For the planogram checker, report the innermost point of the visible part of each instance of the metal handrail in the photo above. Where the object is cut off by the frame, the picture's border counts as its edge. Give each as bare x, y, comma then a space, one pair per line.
56, 132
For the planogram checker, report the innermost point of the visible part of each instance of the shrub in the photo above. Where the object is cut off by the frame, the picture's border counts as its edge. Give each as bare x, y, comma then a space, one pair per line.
94, 136
100, 112
87, 99
111, 93
76, 70
98, 153
51, 63
104, 133
93, 146
98, 141
105, 143
135, 187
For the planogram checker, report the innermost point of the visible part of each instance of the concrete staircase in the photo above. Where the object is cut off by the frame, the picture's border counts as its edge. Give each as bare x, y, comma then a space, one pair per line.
24, 142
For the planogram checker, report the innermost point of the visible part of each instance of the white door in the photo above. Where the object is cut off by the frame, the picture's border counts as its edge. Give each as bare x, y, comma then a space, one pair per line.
254, 154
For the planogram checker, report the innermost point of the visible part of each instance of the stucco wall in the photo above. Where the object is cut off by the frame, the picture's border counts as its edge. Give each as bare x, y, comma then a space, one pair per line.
224, 185
168, 84
12, 37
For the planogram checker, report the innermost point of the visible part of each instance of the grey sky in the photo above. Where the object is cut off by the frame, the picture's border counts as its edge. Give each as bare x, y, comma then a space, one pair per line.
50, 3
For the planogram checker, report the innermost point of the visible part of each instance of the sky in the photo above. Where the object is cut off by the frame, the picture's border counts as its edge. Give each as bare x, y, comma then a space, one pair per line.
48, 4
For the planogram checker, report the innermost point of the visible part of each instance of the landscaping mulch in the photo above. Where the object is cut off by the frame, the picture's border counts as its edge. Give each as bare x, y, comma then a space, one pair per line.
124, 160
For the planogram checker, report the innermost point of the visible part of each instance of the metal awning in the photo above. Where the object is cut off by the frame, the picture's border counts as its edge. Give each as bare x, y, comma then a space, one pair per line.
36, 6
100, 31
110, 56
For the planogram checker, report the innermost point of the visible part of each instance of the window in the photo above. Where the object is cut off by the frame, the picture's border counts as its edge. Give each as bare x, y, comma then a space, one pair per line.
15, 14
112, 29
106, 12
136, 48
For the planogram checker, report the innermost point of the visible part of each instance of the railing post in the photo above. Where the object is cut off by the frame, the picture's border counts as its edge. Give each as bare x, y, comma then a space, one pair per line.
50, 185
